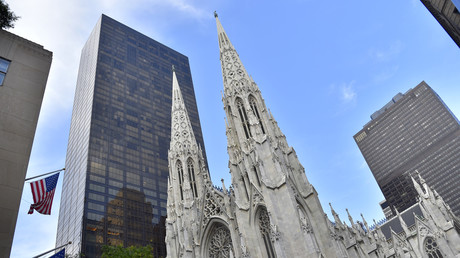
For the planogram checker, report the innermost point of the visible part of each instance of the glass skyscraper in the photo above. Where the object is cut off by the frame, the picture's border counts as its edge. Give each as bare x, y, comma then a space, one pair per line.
115, 184
414, 131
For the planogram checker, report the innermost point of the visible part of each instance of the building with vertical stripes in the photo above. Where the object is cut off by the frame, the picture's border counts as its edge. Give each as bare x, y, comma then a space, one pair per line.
115, 185
415, 131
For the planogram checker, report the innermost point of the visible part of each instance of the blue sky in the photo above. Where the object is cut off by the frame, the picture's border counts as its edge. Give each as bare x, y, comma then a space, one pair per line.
323, 68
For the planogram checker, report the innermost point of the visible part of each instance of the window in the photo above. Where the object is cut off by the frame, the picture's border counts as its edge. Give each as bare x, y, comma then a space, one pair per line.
180, 172
220, 242
4, 64
432, 248
244, 118
265, 230
253, 103
191, 176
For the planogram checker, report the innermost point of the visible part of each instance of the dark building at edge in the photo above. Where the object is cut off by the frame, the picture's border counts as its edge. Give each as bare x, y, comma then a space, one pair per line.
414, 131
446, 12
115, 184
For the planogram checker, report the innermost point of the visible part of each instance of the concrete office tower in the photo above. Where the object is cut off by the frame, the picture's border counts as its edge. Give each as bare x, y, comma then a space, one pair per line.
115, 185
414, 131
446, 12
24, 68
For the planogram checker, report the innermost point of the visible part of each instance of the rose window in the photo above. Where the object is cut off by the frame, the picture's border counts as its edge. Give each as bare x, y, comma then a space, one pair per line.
220, 244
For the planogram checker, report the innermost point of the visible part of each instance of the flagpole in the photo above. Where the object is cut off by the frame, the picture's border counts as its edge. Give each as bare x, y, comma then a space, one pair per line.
30, 178
52, 250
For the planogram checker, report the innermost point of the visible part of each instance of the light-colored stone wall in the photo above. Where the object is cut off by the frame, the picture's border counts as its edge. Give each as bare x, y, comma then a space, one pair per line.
20, 100
272, 210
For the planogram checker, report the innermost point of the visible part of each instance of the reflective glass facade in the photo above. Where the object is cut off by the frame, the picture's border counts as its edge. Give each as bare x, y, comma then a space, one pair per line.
417, 132
115, 184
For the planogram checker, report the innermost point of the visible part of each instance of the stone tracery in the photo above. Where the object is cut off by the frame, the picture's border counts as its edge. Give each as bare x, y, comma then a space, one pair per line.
281, 188
266, 230
432, 248
220, 243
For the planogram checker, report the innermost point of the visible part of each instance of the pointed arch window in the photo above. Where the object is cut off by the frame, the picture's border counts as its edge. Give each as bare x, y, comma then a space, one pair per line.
191, 177
432, 248
244, 118
265, 230
180, 172
253, 104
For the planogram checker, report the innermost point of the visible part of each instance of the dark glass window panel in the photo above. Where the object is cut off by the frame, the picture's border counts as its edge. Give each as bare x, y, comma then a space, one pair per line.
4, 65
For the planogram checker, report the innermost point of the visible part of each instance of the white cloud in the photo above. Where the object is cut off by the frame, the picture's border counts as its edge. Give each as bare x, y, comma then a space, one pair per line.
386, 74
187, 8
388, 53
348, 93
344, 91
64, 26
154, 6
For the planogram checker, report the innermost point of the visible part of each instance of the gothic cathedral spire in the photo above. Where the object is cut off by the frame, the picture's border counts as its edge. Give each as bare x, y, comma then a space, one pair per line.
271, 209
267, 176
187, 179
181, 128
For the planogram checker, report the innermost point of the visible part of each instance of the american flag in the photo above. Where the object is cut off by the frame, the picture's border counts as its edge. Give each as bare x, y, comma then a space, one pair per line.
43, 193
60, 254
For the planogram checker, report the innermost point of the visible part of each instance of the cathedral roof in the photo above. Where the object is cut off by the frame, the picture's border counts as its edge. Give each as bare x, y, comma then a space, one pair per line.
394, 223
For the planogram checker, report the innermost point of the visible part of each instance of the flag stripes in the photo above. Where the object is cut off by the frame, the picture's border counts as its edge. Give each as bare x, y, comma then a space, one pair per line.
43, 193
44, 206
38, 190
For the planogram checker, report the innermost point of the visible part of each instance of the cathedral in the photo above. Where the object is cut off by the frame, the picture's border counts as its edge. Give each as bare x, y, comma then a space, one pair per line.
271, 209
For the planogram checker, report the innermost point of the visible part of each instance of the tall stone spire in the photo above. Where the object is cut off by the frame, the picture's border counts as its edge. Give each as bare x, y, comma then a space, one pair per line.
266, 173
181, 129
187, 178
271, 209
236, 79
224, 42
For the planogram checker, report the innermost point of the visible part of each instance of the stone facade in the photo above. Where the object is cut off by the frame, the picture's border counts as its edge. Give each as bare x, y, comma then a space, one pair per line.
271, 210
24, 67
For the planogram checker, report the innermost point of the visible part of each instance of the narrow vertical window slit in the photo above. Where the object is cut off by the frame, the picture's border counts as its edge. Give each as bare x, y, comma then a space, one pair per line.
180, 172
253, 104
244, 118
191, 174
